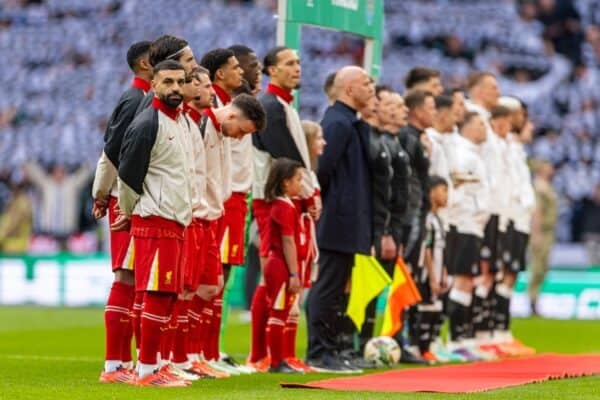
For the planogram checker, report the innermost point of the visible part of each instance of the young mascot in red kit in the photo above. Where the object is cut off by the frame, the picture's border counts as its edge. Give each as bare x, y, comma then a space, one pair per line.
281, 270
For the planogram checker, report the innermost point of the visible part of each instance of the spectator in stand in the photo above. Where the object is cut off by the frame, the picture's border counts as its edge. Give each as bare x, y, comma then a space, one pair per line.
59, 192
591, 226
542, 232
15, 222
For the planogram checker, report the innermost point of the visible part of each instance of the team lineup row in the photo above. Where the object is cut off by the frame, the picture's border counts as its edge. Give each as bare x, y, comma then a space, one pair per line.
188, 144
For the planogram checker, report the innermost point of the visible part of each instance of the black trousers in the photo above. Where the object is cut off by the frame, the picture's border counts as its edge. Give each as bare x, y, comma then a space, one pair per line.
326, 303
252, 274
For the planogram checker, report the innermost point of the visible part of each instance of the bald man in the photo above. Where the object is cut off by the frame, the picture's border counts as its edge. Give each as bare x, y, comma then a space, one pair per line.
343, 229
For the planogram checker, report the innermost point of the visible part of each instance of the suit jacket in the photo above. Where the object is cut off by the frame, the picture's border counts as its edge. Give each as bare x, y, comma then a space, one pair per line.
345, 177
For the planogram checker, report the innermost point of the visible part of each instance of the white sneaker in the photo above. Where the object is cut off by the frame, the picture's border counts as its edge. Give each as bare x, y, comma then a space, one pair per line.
244, 369
223, 367
178, 372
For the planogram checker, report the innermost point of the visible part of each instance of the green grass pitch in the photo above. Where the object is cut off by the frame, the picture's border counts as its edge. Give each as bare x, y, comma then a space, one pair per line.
48, 353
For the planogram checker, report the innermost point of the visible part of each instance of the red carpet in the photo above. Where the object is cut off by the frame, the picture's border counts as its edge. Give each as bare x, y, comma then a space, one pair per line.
467, 378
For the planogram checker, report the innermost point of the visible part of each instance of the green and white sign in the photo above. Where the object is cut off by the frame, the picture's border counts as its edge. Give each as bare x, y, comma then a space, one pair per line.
363, 18
75, 281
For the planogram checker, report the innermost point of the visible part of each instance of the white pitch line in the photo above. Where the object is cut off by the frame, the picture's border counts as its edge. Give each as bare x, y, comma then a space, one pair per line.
50, 358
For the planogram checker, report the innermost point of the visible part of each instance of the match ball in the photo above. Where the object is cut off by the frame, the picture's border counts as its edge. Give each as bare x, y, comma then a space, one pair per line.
383, 351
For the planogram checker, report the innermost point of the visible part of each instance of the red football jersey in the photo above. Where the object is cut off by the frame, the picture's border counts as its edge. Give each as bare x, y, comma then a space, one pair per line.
285, 220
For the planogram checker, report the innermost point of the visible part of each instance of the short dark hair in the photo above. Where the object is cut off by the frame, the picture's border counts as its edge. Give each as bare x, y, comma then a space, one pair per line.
468, 118
420, 75
416, 98
271, 58
252, 109
239, 50
328, 84
281, 169
475, 78
165, 48
382, 88
167, 65
136, 51
434, 181
500, 112
442, 102
452, 91
215, 59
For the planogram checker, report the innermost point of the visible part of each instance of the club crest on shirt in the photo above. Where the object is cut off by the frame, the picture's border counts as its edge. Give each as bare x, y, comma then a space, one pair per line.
168, 277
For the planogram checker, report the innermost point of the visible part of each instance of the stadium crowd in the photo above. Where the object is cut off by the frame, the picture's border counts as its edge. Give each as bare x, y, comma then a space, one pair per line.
61, 82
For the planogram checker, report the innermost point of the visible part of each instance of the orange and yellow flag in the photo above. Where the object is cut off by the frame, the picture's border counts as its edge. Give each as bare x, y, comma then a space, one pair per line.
403, 293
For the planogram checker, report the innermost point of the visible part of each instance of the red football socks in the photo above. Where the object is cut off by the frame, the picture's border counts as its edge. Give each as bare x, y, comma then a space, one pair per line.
275, 336
135, 321
180, 343
259, 311
289, 335
154, 318
117, 320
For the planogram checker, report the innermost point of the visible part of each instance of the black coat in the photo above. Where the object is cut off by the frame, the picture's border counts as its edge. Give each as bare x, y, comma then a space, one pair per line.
345, 177
399, 200
418, 198
381, 168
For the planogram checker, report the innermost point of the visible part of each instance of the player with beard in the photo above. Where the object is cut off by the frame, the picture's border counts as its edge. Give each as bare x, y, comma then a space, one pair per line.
178, 339
168, 47
282, 137
153, 166
119, 306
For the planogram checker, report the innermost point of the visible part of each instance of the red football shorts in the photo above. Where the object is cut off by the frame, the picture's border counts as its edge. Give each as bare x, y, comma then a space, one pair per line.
277, 276
192, 256
121, 245
157, 248
232, 229
262, 213
211, 266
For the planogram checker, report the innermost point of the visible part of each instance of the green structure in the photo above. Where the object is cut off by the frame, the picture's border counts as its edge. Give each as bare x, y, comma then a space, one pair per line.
363, 18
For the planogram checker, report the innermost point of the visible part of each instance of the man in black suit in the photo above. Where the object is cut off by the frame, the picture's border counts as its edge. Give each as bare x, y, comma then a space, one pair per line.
345, 225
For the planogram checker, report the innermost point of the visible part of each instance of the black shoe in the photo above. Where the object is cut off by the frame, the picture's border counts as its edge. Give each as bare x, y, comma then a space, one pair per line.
330, 364
409, 357
356, 361
283, 368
